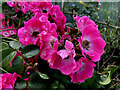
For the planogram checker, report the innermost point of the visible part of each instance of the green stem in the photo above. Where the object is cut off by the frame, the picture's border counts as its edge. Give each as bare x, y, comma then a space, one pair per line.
5, 40
3, 70
9, 38
8, 29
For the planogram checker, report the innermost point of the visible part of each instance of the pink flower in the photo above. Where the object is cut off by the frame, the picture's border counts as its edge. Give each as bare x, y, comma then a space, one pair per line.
58, 18
42, 8
84, 69
66, 65
24, 6
28, 33
69, 48
2, 17
5, 33
83, 21
8, 80
50, 45
12, 32
91, 43
13, 4
65, 59
65, 37
41, 0
8, 33
99, 3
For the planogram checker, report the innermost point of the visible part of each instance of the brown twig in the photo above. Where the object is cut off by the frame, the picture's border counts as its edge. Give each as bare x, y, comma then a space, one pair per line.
108, 58
114, 85
114, 40
104, 23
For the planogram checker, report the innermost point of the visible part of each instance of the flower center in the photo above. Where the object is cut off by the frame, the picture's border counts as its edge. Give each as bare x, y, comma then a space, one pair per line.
52, 43
44, 11
85, 44
50, 19
11, 32
35, 34
6, 33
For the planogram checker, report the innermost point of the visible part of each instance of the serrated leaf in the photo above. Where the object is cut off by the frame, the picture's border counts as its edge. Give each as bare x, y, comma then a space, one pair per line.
30, 50
43, 76
18, 64
107, 80
15, 44
7, 56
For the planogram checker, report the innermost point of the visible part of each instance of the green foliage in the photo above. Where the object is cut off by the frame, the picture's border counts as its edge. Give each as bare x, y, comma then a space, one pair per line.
30, 50
36, 82
7, 56
15, 44
43, 76
18, 64
106, 79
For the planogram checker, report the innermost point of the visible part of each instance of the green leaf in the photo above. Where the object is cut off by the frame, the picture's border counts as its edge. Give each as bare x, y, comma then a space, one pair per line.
93, 81
30, 50
43, 76
3, 46
56, 86
107, 80
15, 44
7, 56
36, 82
20, 84
18, 65
114, 69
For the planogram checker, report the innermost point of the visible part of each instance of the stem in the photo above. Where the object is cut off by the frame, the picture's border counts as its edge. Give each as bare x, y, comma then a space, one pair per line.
114, 85
19, 23
108, 58
8, 29
3, 70
9, 38
116, 27
5, 40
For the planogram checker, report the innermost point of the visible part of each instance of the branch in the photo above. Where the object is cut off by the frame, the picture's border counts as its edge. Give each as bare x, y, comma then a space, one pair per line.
114, 85
104, 23
8, 29
108, 58
116, 27
3, 70
9, 38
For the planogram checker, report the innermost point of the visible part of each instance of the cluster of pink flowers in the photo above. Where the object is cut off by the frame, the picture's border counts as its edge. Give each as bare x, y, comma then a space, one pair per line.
5, 25
7, 80
50, 23
57, 46
42, 8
